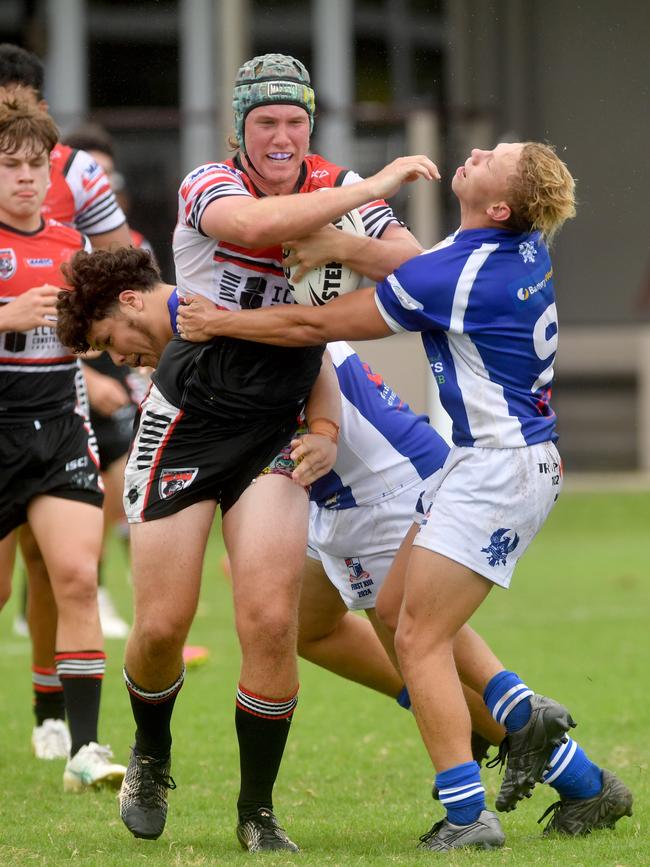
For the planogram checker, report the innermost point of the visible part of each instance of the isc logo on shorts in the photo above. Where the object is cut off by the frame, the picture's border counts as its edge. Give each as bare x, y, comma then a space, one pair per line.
173, 481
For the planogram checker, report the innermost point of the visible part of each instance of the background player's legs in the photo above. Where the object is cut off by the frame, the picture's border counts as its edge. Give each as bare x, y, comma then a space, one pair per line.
113, 626
7, 559
266, 537
49, 739
336, 639
68, 533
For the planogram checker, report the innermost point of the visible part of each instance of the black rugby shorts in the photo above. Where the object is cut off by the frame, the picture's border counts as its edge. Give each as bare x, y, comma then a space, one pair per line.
57, 457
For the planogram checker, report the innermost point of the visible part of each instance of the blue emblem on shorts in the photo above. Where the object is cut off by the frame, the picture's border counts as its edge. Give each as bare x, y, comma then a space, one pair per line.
500, 546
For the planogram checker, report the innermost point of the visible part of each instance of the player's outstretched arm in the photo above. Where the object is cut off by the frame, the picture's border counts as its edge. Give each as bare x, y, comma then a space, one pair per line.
271, 220
34, 308
351, 317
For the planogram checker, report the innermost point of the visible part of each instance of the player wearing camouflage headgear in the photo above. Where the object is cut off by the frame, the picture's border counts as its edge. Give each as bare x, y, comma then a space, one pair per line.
269, 79
234, 218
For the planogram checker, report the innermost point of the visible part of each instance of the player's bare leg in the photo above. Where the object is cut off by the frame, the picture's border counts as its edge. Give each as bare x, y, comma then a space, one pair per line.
68, 534
440, 595
266, 536
338, 640
7, 559
167, 562
50, 736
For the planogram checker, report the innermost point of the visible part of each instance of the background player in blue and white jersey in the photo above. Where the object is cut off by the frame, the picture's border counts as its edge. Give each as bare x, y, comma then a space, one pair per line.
484, 302
387, 467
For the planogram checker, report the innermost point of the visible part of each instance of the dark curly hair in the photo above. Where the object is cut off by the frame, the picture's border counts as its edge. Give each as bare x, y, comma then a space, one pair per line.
96, 280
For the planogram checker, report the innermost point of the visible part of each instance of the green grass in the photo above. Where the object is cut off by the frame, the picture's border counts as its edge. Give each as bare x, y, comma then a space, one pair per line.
355, 783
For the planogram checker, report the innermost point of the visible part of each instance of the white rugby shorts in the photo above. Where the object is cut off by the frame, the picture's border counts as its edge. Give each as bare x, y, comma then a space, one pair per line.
357, 546
489, 504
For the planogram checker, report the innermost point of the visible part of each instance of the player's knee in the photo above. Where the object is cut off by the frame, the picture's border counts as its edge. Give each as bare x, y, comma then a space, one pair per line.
76, 584
272, 627
160, 637
387, 611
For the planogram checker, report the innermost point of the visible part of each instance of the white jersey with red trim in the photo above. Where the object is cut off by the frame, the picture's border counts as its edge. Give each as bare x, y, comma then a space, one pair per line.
238, 277
37, 373
80, 194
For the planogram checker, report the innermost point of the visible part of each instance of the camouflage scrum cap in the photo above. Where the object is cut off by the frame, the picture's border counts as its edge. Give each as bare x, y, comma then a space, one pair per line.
268, 79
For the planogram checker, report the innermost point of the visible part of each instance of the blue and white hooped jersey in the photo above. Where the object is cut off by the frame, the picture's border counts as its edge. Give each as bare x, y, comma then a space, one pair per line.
384, 447
485, 304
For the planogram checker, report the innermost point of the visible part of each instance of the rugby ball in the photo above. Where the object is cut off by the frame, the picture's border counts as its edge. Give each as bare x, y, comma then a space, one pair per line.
326, 282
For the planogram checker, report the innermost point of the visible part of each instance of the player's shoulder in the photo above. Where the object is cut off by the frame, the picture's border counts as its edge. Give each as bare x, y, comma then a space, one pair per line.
215, 172
320, 173
53, 230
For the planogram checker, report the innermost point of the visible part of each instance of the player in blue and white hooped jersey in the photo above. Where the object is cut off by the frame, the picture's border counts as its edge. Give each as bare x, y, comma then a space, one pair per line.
484, 303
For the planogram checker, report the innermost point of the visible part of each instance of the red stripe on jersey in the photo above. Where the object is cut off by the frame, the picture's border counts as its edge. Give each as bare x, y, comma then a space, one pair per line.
259, 267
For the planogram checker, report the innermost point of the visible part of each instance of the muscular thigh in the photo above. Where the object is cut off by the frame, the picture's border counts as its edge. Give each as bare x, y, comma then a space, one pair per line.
67, 532
266, 536
167, 562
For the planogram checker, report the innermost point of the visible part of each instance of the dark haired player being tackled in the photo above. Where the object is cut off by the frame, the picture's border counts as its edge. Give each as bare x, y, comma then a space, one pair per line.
234, 218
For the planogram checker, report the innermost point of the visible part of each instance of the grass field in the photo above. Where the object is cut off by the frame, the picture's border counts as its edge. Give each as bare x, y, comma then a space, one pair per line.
355, 783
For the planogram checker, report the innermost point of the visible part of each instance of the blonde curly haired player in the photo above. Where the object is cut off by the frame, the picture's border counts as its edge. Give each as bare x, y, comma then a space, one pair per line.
484, 302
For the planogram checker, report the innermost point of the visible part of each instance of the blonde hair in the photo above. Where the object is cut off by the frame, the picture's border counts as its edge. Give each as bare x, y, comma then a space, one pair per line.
541, 192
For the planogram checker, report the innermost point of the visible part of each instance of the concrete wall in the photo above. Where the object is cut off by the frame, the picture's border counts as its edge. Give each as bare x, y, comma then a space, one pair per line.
592, 96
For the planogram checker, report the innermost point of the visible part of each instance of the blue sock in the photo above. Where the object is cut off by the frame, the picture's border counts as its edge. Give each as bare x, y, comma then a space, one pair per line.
508, 700
462, 793
572, 774
404, 699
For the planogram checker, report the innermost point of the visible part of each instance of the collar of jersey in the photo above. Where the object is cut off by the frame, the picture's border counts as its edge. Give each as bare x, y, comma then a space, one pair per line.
237, 162
8, 228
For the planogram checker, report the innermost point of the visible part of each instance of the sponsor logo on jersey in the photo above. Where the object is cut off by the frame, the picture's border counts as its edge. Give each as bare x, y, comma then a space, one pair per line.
8, 263
500, 546
528, 251
39, 263
173, 481
525, 292
320, 173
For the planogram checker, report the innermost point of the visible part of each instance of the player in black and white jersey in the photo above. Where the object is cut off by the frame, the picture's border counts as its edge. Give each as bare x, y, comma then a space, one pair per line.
234, 219
246, 400
50, 477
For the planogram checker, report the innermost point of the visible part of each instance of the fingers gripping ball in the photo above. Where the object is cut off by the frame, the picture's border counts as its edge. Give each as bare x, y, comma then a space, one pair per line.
326, 282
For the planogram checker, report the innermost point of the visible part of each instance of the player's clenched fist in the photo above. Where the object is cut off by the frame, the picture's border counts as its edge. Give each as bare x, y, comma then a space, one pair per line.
194, 316
33, 308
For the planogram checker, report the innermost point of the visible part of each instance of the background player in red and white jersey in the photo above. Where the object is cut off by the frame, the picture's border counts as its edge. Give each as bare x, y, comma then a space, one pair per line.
79, 194
49, 464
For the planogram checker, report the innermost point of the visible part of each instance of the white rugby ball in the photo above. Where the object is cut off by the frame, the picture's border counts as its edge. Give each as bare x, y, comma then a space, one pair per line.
326, 282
